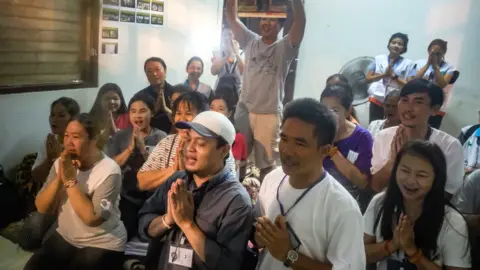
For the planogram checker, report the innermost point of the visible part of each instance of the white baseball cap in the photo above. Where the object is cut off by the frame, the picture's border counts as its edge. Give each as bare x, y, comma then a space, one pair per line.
211, 124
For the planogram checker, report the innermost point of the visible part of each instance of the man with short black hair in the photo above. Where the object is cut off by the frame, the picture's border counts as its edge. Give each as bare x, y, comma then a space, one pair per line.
267, 61
306, 218
419, 99
160, 90
204, 213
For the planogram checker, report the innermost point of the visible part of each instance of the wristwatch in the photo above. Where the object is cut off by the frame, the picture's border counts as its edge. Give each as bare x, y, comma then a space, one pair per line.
292, 257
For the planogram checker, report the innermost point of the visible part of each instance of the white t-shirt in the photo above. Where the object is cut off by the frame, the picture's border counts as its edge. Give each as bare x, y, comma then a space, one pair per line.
450, 146
375, 127
452, 242
111, 234
327, 221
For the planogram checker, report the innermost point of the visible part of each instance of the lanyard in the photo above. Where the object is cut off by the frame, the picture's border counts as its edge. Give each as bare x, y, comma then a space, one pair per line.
282, 209
429, 133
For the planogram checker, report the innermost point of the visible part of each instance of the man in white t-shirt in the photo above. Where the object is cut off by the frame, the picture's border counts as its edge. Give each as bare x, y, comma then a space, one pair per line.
306, 219
419, 99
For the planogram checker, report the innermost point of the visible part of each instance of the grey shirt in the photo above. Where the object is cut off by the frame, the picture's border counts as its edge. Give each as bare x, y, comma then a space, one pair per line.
223, 213
203, 88
117, 145
266, 68
468, 199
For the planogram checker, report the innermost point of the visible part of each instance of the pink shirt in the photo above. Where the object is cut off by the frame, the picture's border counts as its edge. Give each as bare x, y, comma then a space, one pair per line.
123, 121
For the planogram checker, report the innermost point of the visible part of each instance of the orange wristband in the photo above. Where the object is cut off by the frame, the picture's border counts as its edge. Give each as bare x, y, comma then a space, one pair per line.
416, 256
332, 152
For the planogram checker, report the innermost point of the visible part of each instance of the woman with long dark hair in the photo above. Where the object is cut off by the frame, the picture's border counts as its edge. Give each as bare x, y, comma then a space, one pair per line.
411, 225
110, 109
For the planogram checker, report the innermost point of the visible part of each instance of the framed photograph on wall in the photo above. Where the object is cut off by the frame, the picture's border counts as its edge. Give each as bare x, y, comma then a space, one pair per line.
143, 18
110, 32
109, 48
128, 3
110, 14
157, 19
158, 6
111, 2
127, 16
143, 4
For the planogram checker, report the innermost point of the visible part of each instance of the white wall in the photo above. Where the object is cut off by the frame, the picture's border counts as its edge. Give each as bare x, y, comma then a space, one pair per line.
192, 28
341, 30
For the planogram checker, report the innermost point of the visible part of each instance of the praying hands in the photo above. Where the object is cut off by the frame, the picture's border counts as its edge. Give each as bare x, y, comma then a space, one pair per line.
180, 204
274, 237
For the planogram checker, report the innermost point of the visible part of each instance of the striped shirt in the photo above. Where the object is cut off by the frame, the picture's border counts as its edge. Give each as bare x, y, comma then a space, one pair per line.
163, 155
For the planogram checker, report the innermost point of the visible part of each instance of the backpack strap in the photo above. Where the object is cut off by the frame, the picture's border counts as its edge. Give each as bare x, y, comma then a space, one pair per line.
233, 67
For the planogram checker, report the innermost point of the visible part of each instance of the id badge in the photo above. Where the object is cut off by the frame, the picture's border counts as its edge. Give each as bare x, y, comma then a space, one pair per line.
180, 256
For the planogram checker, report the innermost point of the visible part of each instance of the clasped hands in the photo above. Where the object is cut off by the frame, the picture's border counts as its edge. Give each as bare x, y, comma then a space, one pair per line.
400, 138
180, 205
67, 167
404, 236
179, 160
273, 236
137, 140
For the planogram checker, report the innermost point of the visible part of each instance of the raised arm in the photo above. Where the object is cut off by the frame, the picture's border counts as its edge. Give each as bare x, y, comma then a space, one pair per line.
217, 64
299, 21
238, 28
240, 62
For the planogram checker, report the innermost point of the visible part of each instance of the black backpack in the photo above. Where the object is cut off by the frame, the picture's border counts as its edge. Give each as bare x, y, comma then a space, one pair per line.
12, 205
229, 81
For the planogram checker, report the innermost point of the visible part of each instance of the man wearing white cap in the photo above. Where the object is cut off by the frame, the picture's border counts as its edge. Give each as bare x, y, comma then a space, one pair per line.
204, 213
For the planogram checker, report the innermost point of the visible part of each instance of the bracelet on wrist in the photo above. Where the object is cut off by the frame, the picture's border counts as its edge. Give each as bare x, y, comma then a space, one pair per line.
165, 223
332, 151
416, 256
70, 183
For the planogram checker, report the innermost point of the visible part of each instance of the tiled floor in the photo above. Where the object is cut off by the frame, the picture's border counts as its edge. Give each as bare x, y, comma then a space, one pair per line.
12, 257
